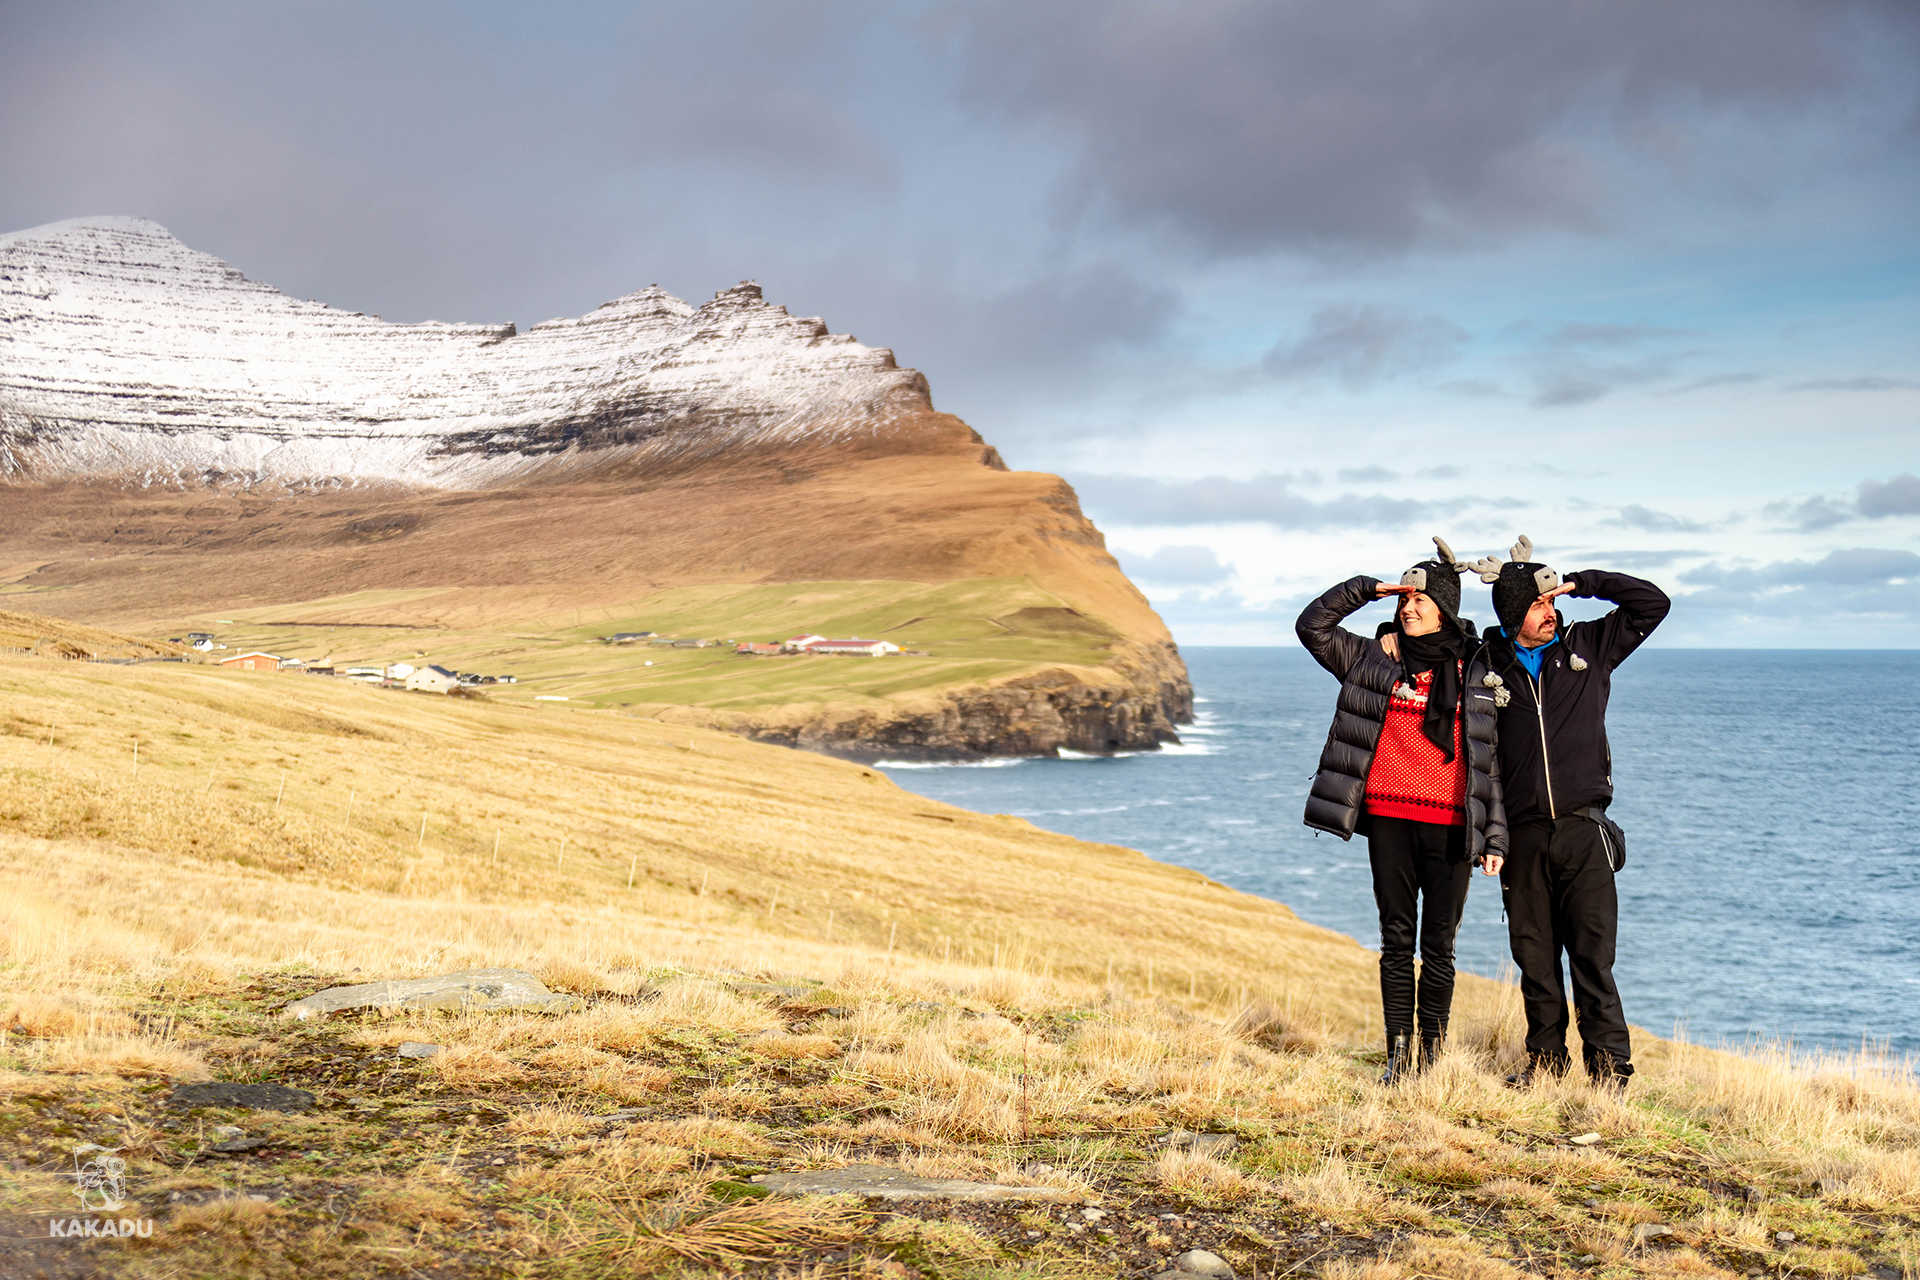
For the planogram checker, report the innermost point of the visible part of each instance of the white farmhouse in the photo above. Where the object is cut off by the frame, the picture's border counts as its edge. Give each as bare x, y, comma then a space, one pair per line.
854, 648
432, 679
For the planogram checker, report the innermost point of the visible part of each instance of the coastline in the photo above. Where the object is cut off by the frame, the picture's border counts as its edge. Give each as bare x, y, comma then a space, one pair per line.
1226, 804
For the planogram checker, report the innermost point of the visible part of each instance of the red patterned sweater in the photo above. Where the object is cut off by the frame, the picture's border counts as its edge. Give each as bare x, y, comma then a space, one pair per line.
1410, 777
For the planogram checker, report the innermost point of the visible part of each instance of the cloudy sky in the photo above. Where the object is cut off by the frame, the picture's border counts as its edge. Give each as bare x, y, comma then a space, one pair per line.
1283, 287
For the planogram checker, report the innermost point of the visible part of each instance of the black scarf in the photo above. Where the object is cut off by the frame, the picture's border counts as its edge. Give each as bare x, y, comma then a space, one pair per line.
1439, 652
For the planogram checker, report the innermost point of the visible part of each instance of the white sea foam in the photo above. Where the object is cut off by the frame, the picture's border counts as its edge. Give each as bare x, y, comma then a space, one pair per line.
990, 762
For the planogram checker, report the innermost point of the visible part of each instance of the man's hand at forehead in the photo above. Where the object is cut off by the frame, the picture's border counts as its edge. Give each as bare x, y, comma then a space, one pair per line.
1565, 588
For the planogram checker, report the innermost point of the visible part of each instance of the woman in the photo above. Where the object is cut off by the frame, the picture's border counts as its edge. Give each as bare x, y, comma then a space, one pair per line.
1410, 762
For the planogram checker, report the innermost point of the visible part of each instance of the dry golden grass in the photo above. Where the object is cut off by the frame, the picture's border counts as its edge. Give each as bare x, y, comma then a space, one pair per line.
785, 962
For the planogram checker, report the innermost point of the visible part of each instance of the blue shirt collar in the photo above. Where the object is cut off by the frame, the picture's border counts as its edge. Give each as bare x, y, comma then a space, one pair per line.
1532, 659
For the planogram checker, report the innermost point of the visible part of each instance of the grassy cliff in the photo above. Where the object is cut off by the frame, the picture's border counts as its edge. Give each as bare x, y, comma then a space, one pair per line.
1035, 637
783, 962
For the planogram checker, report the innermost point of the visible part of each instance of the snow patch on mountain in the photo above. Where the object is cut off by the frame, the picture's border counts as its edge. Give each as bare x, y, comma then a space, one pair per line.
125, 353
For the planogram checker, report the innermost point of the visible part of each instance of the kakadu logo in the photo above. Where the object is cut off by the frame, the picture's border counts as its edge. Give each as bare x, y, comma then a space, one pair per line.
100, 1184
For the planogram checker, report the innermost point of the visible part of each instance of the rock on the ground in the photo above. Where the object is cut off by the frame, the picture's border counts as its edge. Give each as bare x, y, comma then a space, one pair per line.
881, 1182
1648, 1232
1217, 1145
467, 991
418, 1049
1198, 1262
231, 1093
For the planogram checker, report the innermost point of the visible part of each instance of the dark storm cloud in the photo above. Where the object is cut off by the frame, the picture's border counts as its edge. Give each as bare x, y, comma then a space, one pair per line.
1180, 566
1263, 499
1899, 496
1377, 126
488, 163
1647, 520
1363, 344
461, 162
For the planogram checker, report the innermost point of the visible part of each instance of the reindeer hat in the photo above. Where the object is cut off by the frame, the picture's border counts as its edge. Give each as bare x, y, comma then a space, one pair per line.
1517, 583
1439, 580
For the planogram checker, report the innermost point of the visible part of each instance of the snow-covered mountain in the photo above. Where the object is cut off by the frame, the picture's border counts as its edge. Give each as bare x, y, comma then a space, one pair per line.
124, 353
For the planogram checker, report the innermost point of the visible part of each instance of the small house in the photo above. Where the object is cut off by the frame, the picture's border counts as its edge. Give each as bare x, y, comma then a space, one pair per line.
759, 650
627, 637
432, 679
254, 661
799, 644
373, 675
399, 670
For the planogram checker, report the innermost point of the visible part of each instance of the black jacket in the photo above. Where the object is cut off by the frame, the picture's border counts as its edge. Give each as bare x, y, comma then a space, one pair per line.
1367, 675
1554, 757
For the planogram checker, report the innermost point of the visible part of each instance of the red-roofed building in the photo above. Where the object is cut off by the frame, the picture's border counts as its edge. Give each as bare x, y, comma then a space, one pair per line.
252, 662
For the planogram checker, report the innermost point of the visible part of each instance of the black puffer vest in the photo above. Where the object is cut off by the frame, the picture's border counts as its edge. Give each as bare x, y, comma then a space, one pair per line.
1367, 675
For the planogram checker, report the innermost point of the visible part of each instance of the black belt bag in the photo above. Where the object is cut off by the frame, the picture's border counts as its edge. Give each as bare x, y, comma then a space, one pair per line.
1611, 835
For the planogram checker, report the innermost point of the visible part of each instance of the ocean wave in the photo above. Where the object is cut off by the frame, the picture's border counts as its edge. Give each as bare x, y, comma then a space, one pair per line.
990, 762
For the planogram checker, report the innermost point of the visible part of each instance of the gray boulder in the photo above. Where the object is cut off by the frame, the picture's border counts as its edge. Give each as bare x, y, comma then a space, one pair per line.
468, 991
1195, 1264
880, 1182
243, 1094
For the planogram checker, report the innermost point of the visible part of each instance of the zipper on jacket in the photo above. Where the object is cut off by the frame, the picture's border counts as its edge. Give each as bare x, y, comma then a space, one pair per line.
1540, 714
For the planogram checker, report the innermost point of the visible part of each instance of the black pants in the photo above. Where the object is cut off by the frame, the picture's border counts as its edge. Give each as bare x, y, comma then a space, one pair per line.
1560, 899
1411, 861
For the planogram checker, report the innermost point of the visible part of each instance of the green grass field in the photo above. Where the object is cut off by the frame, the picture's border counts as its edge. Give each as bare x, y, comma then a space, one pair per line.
973, 631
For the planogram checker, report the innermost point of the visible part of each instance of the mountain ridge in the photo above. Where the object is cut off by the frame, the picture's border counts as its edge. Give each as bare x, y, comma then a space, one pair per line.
122, 350
180, 443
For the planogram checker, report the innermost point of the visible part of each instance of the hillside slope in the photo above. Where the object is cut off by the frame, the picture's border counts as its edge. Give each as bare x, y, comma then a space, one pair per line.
784, 963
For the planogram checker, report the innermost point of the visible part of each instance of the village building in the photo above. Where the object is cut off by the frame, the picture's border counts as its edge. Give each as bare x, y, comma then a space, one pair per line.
431, 679
627, 637
399, 670
371, 674
759, 650
799, 644
255, 661
854, 648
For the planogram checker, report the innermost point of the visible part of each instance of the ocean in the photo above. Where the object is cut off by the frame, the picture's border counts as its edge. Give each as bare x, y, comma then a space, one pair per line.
1771, 801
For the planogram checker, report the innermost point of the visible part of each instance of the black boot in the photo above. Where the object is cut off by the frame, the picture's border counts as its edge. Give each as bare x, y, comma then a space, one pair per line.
1399, 1058
1539, 1064
1608, 1071
1432, 1043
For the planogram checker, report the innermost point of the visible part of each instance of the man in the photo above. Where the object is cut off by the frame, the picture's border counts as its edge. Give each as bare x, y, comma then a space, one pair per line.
1557, 774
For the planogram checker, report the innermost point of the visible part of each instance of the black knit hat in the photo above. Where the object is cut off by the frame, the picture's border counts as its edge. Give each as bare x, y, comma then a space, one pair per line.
1517, 583
1439, 581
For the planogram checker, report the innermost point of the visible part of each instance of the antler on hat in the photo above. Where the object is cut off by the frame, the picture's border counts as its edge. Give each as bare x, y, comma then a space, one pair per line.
1488, 567
1446, 554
